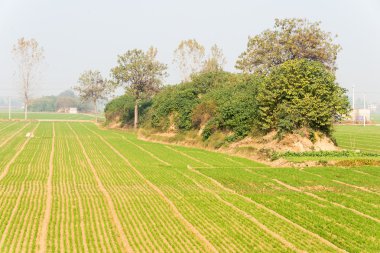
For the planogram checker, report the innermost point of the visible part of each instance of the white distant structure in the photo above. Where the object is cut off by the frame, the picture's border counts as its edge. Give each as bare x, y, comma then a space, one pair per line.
361, 115
73, 110
372, 107
29, 135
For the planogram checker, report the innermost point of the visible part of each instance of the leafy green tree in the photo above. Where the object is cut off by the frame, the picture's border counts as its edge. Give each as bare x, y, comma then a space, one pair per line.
301, 93
140, 73
235, 103
43, 104
289, 39
93, 87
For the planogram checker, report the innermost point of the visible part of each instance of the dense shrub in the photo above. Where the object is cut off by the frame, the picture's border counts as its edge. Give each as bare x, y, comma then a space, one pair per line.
232, 107
295, 95
121, 109
173, 107
301, 93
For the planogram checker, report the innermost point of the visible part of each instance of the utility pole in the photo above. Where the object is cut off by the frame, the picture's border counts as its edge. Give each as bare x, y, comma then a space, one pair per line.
353, 105
364, 105
9, 107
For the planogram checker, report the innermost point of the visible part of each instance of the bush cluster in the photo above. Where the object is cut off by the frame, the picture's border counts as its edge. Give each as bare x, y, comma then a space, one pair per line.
296, 94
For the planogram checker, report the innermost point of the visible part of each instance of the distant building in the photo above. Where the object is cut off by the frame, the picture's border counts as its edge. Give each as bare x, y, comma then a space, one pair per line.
359, 115
372, 107
73, 110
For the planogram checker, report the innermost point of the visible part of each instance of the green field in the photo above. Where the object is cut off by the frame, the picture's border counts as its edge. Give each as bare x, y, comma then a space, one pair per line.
48, 116
76, 188
376, 118
363, 138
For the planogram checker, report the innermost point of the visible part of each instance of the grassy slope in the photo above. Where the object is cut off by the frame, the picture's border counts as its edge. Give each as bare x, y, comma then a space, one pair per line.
172, 198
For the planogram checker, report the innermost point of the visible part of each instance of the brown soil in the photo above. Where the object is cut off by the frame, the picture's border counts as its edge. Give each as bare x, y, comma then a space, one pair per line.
252, 148
112, 209
174, 209
6, 169
291, 142
249, 200
49, 199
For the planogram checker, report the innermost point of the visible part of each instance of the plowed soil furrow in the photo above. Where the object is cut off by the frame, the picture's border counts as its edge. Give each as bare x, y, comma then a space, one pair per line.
13, 135
42, 235
176, 212
325, 200
6, 169
108, 198
15, 209
321, 239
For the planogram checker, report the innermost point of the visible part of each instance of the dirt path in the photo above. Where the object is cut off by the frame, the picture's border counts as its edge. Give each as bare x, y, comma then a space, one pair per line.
361, 188
14, 211
13, 135
356, 187
42, 235
304, 230
366, 174
6, 169
146, 151
174, 209
107, 197
325, 200
248, 216
7, 127
281, 239
81, 214
188, 156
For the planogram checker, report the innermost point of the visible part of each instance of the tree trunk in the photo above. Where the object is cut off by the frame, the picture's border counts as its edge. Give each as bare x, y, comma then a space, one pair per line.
26, 110
136, 115
95, 107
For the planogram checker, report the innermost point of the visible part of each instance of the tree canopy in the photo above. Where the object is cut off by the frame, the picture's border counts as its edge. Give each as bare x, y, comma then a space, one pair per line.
140, 73
301, 93
289, 39
92, 87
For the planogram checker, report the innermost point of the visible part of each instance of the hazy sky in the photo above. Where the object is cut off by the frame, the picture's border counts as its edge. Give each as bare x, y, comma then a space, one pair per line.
80, 35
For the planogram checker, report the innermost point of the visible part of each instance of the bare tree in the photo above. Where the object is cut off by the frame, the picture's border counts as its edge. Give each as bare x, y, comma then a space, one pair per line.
93, 87
28, 55
215, 61
189, 57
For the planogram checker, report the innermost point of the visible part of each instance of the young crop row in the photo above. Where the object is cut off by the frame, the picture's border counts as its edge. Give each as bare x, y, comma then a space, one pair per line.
344, 216
23, 189
342, 213
76, 188
48, 116
198, 198
359, 137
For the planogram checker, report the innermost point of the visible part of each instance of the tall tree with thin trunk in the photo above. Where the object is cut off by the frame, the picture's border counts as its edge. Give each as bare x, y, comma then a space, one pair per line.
28, 56
189, 58
216, 61
140, 73
93, 87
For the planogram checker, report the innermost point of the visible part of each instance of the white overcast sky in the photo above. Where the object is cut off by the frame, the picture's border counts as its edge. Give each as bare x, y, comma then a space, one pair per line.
89, 34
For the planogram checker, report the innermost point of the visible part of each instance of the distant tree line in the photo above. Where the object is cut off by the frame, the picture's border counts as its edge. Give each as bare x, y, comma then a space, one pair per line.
62, 103
287, 82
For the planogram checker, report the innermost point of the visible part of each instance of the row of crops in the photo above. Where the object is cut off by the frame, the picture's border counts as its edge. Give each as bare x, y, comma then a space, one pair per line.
111, 192
47, 116
363, 138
